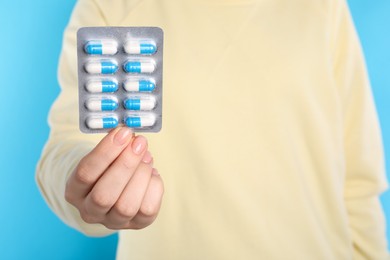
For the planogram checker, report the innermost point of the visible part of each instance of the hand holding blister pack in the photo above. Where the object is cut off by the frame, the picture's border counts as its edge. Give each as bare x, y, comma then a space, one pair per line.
120, 78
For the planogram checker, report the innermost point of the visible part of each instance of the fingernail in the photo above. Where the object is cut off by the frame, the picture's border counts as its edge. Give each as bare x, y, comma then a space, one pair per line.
139, 144
147, 157
121, 136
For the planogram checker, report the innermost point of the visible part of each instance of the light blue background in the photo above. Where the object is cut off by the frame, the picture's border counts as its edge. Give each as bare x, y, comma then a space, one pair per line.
31, 35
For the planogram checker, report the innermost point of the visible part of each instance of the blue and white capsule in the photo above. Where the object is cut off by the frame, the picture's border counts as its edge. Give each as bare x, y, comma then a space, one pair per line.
144, 47
101, 67
101, 104
141, 85
102, 122
102, 86
101, 47
140, 103
140, 121
144, 66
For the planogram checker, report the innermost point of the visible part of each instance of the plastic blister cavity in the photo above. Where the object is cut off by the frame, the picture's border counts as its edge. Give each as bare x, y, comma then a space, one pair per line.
120, 78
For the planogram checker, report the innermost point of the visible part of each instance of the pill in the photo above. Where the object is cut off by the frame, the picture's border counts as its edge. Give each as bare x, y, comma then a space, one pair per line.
140, 47
101, 67
139, 66
102, 86
140, 103
101, 47
104, 122
95, 104
139, 85
140, 121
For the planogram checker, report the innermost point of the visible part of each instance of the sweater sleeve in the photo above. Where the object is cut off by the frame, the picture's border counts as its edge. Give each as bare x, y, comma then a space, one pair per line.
66, 144
365, 173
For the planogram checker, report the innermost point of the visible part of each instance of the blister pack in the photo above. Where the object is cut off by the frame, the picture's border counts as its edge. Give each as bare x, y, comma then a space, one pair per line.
120, 78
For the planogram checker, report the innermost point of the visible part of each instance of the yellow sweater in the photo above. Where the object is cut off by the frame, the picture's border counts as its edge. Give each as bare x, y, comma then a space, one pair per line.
270, 146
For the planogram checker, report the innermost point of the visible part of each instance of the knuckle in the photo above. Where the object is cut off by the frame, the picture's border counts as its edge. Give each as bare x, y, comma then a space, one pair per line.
149, 210
110, 226
83, 174
151, 207
87, 218
128, 164
102, 199
69, 196
126, 210
140, 224
146, 169
137, 226
113, 226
